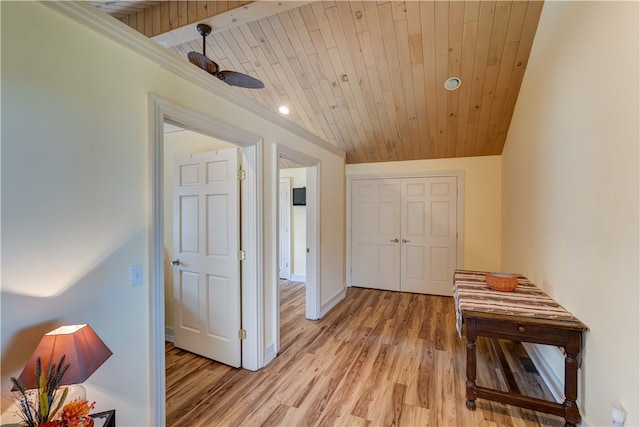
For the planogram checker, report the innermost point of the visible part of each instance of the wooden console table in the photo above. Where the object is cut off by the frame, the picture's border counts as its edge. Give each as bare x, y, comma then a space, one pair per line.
526, 314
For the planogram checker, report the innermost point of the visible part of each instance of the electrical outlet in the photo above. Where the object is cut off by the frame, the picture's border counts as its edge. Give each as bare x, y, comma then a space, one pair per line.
136, 274
618, 415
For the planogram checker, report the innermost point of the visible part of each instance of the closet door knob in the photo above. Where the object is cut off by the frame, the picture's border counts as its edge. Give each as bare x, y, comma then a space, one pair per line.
394, 240
175, 262
406, 241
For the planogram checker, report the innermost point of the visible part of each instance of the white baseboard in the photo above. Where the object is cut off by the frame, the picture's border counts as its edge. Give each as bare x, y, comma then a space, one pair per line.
168, 334
555, 384
269, 354
298, 278
333, 301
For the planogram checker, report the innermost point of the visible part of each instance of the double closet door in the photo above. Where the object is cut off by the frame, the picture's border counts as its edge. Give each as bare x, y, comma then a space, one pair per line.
404, 234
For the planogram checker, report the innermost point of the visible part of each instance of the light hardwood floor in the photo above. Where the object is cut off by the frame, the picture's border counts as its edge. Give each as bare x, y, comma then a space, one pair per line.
379, 358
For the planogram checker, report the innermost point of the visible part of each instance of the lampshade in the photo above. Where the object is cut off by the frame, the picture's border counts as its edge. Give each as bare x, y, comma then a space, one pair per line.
84, 352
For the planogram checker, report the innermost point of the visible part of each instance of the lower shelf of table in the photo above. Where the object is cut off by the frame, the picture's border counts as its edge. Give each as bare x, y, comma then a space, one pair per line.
519, 400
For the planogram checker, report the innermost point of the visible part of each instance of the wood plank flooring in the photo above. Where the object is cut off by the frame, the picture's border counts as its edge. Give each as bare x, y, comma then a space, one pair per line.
377, 359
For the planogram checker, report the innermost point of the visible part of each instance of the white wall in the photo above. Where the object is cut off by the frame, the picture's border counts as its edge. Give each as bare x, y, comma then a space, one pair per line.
332, 251
76, 195
298, 225
482, 201
570, 189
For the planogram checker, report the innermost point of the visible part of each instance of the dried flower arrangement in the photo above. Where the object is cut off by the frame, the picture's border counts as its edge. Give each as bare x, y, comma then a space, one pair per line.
38, 407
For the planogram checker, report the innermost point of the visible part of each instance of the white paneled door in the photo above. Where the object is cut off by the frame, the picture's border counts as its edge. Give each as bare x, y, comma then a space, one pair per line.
284, 228
375, 233
206, 247
429, 235
404, 234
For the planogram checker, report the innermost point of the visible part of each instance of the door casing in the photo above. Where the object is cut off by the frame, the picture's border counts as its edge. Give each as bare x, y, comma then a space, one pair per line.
312, 292
251, 200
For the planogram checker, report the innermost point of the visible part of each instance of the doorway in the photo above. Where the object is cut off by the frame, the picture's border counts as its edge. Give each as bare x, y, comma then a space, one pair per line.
163, 111
292, 221
290, 157
292, 250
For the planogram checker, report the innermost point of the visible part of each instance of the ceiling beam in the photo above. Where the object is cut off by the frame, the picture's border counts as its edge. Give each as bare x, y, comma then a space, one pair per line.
171, 22
172, 14
249, 12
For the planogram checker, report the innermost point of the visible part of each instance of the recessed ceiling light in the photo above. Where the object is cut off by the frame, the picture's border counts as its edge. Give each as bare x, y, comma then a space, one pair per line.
452, 83
284, 110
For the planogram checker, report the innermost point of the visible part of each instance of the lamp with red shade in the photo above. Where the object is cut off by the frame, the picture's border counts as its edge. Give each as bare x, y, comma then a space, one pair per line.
67, 356
84, 351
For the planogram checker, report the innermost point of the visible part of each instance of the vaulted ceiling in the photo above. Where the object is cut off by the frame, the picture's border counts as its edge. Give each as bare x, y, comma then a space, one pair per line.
366, 76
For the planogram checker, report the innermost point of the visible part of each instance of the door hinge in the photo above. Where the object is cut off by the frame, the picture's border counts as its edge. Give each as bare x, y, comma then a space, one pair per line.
242, 255
242, 334
242, 174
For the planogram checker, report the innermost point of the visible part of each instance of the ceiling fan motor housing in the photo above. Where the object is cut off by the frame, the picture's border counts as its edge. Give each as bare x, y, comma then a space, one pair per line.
204, 30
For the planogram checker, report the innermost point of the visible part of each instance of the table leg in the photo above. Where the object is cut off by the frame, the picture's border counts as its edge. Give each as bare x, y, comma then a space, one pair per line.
571, 412
472, 389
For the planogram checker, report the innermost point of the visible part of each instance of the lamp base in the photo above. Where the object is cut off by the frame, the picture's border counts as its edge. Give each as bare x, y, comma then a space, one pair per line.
76, 392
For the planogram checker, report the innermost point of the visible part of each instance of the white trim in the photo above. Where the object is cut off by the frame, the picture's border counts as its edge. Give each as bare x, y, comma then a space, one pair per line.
270, 353
460, 219
459, 215
162, 110
298, 278
312, 278
252, 238
95, 19
333, 301
555, 384
156, 269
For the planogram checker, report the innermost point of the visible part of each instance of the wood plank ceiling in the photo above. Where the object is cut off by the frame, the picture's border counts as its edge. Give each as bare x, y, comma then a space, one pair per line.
369, 76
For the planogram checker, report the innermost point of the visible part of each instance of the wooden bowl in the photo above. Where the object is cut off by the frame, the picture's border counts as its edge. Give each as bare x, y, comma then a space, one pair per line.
502, 281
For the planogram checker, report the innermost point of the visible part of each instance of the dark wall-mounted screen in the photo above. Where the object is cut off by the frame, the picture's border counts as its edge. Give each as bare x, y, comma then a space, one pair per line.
300, 196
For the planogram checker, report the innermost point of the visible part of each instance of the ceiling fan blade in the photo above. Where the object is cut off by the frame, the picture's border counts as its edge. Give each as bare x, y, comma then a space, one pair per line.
234, 78
203, 62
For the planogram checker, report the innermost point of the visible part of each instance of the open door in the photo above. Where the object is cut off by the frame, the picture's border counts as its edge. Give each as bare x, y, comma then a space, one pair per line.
284, 238
207, 266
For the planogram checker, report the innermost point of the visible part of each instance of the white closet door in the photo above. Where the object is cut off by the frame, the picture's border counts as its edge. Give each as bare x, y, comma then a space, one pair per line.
375, 224
429, 235
404, 234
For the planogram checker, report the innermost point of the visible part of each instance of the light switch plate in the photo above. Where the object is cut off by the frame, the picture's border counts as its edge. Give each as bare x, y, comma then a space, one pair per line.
136, 274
